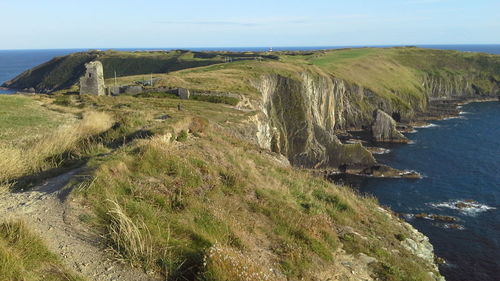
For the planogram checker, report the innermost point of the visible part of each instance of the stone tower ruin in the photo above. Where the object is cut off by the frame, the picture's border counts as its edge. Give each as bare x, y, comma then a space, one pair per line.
92, 82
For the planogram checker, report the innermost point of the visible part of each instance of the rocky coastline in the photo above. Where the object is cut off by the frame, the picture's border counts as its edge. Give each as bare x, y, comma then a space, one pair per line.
438, 110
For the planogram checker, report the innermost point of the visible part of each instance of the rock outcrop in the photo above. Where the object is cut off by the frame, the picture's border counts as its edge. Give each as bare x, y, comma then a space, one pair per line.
298, 119
384, 128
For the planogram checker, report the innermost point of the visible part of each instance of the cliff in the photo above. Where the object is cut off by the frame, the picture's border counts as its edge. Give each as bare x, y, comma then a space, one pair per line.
299, 100
299, 118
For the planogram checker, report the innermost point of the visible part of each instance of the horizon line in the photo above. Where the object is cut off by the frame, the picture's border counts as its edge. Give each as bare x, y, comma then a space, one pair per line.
242, 47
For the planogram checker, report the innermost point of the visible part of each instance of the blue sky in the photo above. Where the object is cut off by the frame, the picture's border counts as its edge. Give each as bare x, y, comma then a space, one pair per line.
37, 24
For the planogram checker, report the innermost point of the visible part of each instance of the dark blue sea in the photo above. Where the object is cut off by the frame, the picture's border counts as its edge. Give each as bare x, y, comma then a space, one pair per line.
459, 158
460, 161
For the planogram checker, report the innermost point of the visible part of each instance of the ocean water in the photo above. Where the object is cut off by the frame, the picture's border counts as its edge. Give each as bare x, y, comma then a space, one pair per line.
460, 160
14, 62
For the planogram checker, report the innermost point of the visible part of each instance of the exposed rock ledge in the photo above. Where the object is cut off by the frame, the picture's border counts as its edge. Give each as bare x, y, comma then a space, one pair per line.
418, 244
384, 128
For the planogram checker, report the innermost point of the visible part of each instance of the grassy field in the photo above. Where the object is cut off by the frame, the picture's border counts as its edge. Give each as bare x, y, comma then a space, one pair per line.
22, 118
180, 208
24, 257
35, 138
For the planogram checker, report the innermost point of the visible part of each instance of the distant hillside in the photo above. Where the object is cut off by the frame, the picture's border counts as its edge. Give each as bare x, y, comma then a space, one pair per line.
63, 72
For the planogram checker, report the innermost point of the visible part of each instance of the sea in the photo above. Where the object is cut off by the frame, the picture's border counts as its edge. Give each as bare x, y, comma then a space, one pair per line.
459, 159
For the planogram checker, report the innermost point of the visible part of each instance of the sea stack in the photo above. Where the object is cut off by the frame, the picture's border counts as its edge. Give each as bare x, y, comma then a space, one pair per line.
92, 83
384, 128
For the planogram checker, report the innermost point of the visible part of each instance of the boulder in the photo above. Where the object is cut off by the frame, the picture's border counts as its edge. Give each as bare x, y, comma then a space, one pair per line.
384, 128
131, 90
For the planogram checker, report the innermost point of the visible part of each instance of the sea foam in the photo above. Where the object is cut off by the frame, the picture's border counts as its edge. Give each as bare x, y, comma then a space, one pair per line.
466, 207
430, 125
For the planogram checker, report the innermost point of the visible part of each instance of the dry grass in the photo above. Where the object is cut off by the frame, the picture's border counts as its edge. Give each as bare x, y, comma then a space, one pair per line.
130, 239
48, 150
215, 207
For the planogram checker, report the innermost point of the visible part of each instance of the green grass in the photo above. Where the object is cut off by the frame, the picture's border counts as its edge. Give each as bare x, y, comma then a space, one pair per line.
341, 56
23, 117
24, 257
191, 193
214, 195
36, 139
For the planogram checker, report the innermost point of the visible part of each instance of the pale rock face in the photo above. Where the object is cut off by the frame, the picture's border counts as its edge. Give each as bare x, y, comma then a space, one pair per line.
298, 118
92, 83
384, 128
418, 244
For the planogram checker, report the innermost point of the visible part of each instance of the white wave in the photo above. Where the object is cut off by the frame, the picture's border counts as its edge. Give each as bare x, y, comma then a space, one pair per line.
408, 216
381, 151
466, 207
463, 112
430, 125
455, 117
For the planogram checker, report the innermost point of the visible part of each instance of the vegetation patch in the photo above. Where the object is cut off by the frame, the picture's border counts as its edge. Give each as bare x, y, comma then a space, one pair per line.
49, 150
216, 99
24, 257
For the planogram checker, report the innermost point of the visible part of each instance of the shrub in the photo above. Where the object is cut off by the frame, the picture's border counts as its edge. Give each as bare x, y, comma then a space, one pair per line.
63, 100
182, 136
216, 99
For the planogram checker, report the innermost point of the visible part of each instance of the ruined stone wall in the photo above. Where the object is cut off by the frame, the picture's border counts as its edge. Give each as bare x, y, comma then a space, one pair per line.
92, 83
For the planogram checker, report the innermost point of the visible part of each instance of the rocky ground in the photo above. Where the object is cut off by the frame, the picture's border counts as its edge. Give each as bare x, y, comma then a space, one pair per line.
47, 211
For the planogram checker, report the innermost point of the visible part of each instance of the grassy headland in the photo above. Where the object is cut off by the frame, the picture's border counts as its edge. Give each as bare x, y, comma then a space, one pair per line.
191, 200
181, 188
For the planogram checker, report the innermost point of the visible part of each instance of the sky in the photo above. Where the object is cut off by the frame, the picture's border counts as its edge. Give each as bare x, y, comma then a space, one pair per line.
48, 24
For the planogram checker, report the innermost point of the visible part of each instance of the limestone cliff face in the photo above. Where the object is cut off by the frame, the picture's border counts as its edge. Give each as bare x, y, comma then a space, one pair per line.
299, 118
459, 87
384, 128
301, 114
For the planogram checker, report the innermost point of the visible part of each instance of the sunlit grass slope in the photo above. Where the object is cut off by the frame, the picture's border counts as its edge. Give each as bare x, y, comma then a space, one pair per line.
195, 202
35, 138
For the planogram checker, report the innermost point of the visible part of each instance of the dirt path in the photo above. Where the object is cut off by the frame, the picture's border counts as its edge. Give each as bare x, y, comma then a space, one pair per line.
46, 211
